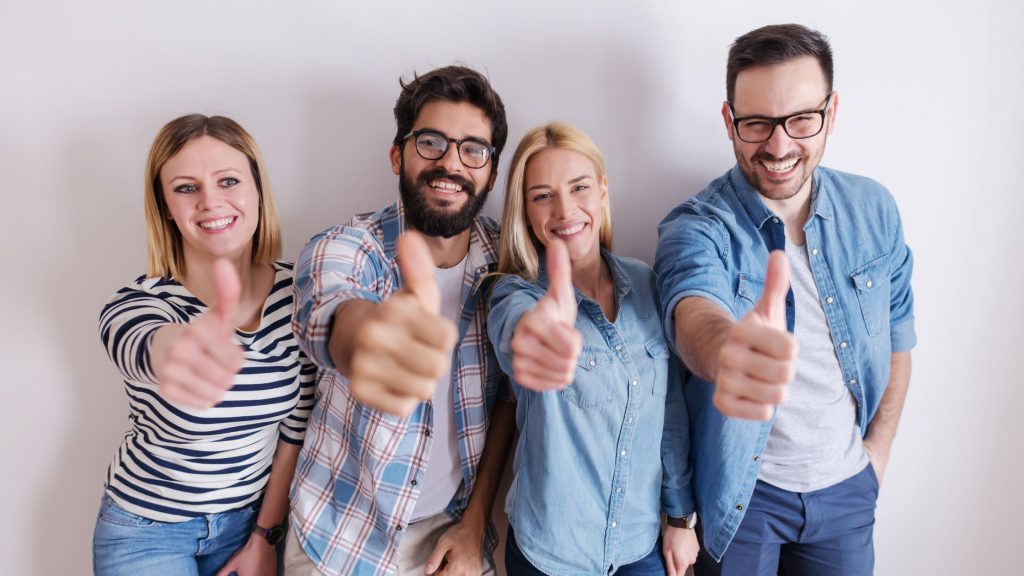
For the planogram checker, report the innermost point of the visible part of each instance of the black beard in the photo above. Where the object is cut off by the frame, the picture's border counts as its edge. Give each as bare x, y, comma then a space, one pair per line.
434, 222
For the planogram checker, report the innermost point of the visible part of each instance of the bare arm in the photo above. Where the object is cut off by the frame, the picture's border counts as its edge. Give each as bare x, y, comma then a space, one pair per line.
702, 327
882, 430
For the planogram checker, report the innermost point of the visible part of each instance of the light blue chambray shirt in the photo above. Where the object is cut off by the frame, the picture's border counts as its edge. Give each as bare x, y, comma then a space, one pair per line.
597, 462
716, 244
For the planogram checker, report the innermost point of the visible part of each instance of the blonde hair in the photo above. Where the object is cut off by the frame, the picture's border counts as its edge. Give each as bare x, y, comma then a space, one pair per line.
165, 253
519, 253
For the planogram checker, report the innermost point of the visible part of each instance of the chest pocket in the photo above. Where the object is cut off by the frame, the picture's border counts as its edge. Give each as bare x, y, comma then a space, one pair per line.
871, 282
748, 290
658, 354
592, 386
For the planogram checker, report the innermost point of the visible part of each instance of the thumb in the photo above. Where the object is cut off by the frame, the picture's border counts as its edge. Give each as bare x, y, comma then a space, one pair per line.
560, 288
772, 305
228, 289
417, 268
435, 558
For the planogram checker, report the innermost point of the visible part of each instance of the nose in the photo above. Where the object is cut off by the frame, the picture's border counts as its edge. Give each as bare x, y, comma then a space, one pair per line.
563, 205
208, 197
779, 143
450, 161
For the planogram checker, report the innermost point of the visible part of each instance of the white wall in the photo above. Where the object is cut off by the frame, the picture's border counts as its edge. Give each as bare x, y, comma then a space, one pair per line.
930, 98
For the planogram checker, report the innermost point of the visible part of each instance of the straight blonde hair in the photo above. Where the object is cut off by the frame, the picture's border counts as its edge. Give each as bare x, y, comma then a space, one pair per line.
520, 249
165, 253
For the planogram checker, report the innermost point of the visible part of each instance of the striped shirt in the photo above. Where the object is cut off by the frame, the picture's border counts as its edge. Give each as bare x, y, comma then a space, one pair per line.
359, 471
176, 463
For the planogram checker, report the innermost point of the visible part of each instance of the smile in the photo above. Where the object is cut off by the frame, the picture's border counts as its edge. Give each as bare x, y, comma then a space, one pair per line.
445, 186
218, 224
780, 167
567, 231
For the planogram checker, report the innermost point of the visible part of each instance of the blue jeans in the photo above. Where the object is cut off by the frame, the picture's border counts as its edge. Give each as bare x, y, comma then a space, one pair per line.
516, 563
126, 543
827, 532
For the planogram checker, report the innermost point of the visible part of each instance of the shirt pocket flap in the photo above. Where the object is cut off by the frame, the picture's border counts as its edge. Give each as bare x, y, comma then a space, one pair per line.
657, 348
594, 358
749, 287
871, 275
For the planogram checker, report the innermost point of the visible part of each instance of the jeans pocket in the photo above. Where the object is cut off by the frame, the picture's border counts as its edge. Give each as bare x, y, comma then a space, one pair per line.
112, 513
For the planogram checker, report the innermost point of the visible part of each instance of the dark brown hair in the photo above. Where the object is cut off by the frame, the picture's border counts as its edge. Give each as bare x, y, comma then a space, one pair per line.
452, 84
776, 44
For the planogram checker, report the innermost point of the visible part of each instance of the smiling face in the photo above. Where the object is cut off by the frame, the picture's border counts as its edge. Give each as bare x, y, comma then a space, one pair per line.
212, 197
443, 196
566, 199
780, 168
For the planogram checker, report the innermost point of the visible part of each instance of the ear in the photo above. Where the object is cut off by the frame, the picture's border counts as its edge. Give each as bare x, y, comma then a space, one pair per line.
833, 106
604, 191
727, 118
395, 156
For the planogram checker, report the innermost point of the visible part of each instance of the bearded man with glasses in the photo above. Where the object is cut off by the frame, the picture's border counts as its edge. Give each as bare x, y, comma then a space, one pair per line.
786, 288
413, 421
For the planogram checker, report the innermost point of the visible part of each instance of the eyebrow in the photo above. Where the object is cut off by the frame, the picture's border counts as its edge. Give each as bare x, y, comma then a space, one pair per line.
573, 181
472, 137
221, 171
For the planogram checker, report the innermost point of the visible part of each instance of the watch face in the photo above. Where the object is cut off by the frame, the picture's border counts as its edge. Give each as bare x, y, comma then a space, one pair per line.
275, 534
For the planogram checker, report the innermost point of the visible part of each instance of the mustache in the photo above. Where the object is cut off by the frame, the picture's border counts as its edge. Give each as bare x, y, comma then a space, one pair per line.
764, 156
440, 173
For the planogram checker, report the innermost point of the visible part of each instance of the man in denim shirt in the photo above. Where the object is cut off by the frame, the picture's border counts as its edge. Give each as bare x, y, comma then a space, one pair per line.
796, 388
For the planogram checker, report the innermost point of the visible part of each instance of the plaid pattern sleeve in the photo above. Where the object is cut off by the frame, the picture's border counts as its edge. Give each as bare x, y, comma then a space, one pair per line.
354, 490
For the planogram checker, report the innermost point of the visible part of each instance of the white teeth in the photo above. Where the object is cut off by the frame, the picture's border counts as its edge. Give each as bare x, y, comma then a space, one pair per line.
780, 166
446, 186
216, 224
569, 231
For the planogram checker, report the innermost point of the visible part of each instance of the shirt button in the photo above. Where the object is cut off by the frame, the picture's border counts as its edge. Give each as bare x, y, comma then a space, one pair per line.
756, 458
776, 220
633, 382
739, 507
814, 251
630, 419
398, 528
870, 284
622, 453
842, 344
592, 363
614, 524
427, 433
618, 347
853, 381
618, 490
829, 300
414, 482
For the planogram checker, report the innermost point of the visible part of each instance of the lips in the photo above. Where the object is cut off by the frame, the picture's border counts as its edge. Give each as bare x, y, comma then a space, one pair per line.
443, 183
569, 230
217, 224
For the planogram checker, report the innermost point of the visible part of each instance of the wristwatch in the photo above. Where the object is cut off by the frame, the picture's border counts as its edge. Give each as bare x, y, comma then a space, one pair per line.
273, 535
689, 522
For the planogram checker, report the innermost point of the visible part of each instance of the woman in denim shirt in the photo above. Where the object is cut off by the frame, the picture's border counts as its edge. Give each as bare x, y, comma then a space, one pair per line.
603, 442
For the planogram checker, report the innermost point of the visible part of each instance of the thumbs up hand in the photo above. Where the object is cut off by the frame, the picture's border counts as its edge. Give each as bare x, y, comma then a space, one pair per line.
196, 363
405, 345
546, 343
758, 359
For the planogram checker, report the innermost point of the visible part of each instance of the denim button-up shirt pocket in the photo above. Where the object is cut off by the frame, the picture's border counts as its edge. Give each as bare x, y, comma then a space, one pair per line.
658, 355
586, 391
748, 291
871, 282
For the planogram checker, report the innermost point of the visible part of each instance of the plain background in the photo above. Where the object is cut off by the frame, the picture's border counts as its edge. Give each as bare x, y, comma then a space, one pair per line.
930, 95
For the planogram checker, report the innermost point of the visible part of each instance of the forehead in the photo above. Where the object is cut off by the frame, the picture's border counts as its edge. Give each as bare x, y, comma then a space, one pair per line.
203, 155
557, 165
780, 89
456, 119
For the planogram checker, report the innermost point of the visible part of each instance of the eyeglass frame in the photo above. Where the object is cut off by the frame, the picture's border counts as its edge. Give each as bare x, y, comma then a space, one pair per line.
779, 120
491, 150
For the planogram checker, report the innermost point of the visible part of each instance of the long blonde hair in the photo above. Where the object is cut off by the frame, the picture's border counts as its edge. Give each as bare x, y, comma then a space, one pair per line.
519, 253
165, 253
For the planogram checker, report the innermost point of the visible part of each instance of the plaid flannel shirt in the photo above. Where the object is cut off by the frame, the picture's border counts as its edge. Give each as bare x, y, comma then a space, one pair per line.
354, 489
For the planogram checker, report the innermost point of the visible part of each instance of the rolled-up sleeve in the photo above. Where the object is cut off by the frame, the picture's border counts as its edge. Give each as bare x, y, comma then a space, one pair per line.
511, 297
901, 303
690, 262
337, 265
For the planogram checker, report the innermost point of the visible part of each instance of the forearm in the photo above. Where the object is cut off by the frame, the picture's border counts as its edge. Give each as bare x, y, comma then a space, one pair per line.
882, 429
492, 464
274, 509
348, 319
701, 328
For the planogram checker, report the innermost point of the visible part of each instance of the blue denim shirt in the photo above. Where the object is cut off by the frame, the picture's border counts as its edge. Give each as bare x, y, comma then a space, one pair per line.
716, 244
597, 462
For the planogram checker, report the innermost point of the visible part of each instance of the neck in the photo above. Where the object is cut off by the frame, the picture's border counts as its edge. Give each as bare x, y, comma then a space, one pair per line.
448, 252
199, 274
793, 211
591, 276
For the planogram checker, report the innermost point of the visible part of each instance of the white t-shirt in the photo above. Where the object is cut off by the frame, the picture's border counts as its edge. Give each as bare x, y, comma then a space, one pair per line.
444, 468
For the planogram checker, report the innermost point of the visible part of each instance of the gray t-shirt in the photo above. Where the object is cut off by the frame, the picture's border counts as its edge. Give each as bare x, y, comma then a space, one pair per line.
815, 441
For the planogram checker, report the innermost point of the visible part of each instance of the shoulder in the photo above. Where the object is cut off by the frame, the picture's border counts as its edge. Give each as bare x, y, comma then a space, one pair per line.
845, 187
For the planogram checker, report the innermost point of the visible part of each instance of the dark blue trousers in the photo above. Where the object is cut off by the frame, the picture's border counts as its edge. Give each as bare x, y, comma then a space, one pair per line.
822, 533
516, 564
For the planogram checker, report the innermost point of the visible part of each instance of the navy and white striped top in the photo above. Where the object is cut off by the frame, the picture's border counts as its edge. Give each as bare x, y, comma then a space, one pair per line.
176, 463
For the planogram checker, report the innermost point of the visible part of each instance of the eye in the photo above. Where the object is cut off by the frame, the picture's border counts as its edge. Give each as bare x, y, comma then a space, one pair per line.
580, 187
229, 182
803, 119
186, 188
474, 149
755, 124
431, 141
540, 197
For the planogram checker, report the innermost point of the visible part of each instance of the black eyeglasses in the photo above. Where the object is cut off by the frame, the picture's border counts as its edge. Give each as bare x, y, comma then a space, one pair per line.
433, 145
757, 129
